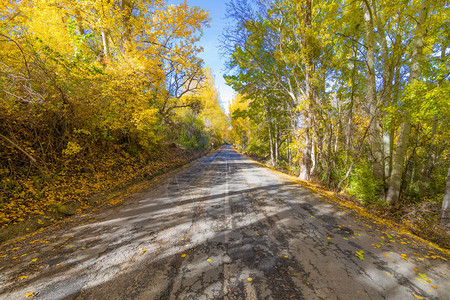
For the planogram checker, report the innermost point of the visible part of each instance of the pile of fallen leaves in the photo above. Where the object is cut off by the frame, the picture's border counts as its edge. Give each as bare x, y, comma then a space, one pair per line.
80, 185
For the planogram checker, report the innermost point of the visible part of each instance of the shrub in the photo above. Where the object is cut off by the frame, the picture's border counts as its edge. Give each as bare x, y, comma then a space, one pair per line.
363, 184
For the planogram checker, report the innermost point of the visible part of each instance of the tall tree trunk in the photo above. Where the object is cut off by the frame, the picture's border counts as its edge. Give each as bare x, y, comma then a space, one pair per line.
403, 139
305, 168
276, 143
375, 134
271, 142
390, 89
445, 213
349, 141
386, 97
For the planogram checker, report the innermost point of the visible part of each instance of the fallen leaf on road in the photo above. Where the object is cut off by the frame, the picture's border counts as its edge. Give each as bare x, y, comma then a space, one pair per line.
183, 255
23, 277
387, 255
249, 279
417, 296
360, 254
423, 278
143, 250
434, 287
209, 259
29, 294
34, 259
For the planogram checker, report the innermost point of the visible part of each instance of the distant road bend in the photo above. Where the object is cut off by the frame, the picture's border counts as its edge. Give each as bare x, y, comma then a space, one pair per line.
225, 228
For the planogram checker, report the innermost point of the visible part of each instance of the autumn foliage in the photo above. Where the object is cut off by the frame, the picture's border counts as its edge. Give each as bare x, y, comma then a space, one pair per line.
351, 94
94, 94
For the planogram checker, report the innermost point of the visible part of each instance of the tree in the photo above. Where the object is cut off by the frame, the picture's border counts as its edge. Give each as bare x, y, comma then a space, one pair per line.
403, 140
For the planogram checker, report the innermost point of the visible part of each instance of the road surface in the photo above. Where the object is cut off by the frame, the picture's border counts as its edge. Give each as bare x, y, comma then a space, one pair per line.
223, 227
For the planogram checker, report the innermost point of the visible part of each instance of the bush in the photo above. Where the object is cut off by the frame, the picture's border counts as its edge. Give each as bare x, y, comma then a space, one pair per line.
363, 184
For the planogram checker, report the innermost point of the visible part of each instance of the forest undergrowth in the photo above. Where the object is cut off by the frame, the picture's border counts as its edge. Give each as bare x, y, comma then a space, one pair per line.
82, 185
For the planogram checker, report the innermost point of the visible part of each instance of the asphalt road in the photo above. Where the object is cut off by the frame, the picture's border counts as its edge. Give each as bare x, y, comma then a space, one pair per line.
223, 227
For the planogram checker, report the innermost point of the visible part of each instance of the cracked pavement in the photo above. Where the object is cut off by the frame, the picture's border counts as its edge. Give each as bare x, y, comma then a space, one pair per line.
223, 227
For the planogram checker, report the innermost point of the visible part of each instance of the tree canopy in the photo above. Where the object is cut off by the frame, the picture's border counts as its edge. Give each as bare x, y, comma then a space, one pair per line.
353, 94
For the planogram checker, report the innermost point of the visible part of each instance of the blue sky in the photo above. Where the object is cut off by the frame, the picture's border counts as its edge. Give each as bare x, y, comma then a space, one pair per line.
210, 43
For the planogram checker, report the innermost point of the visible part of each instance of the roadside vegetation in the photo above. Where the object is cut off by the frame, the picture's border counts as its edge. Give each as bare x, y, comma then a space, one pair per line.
350, 94
95, 95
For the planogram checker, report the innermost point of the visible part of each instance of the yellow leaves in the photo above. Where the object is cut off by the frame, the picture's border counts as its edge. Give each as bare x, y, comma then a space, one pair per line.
404, 256
249, 279
387, 255
360, 254
418, 297
183, 255
209, 260
423, 278
145, 119
143, 250
23, 277
34, 259
29, 294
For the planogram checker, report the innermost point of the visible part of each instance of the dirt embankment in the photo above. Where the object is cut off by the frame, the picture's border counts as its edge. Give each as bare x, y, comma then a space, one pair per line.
84, 186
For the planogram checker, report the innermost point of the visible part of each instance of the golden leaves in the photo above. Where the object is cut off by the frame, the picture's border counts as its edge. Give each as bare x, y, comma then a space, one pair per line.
423, 278
360, 254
